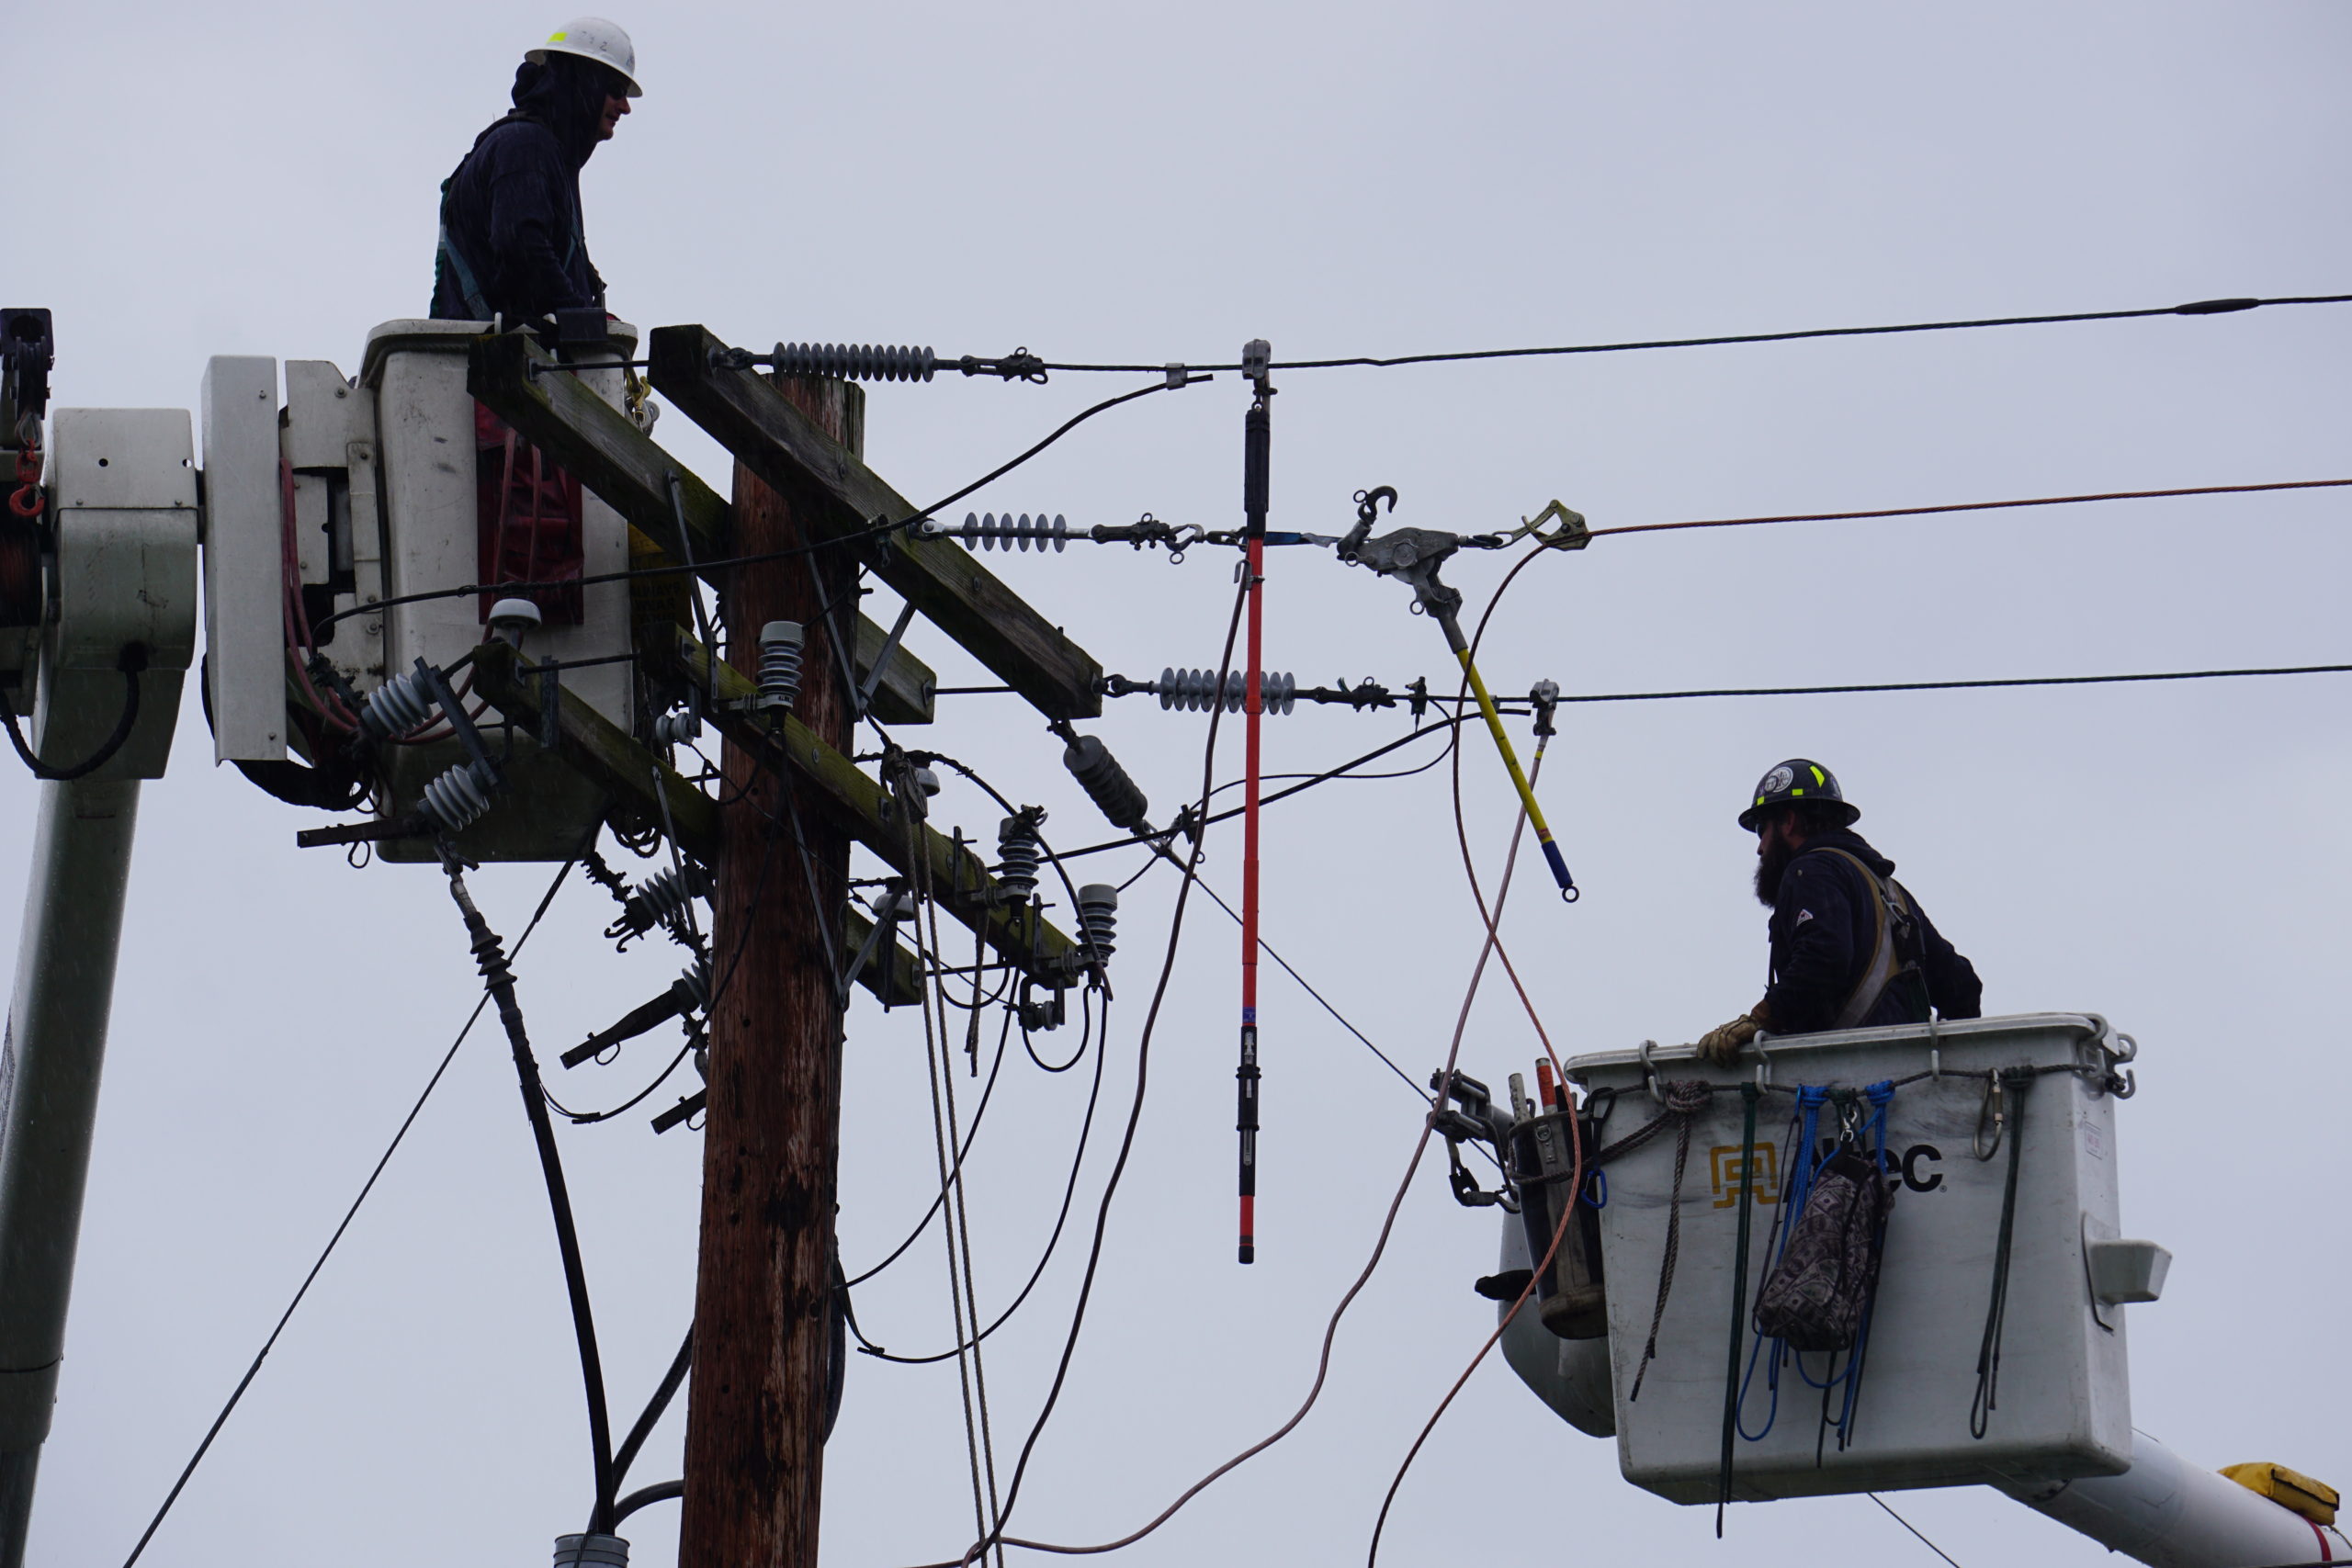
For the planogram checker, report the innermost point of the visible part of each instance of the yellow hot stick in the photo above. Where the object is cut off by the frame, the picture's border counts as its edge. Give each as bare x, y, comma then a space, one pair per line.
1511, 761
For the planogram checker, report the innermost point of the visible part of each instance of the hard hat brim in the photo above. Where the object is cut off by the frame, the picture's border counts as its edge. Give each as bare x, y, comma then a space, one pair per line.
1853, 813
539, 57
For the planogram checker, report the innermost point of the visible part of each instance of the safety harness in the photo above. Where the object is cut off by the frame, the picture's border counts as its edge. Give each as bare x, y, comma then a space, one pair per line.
448, 256
1894, 950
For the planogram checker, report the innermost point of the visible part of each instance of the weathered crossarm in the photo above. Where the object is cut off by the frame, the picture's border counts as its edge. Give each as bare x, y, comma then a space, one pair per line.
608, 754
599, 748
958, 876
964, 598
631, 472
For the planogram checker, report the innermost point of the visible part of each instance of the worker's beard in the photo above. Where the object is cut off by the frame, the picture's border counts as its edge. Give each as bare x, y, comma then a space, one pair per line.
1771, 866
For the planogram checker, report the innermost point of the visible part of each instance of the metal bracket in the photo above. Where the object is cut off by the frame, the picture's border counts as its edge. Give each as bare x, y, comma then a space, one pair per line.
1571, 534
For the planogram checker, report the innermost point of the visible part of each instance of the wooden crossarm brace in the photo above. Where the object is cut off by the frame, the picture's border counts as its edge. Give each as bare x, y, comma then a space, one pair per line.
630, 472
960, 878
964, 598
597, 747
895, 977
600, 749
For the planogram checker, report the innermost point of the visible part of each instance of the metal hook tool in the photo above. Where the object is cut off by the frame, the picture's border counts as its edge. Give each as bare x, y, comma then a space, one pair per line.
1412, 556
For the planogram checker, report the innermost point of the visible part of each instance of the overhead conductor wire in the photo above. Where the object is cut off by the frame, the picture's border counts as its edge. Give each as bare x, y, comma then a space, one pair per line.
2194, 307
1969, 506
986, 1510
1491, 946
1061, 1218
334, 1239
1387, 1225
1491, 920
839, 541
1126, 1139
498, 979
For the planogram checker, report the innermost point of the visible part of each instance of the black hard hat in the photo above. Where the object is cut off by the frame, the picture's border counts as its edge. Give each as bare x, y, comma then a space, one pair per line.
1798, 779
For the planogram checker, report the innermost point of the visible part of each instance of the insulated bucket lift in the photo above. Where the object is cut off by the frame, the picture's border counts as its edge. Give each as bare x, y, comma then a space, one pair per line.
98, 624
312, 514
1994, 1347
334, 522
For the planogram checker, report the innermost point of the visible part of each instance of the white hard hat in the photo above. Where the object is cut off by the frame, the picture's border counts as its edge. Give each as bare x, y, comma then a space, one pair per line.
592, 38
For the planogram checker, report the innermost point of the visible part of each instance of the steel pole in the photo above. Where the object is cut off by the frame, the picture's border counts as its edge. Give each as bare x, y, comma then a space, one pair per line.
49, 1098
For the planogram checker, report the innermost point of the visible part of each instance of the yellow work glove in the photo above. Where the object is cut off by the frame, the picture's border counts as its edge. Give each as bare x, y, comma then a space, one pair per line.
1720, 1046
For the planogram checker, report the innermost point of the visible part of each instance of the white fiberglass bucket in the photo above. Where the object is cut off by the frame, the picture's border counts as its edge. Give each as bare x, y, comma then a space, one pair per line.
2063, 1400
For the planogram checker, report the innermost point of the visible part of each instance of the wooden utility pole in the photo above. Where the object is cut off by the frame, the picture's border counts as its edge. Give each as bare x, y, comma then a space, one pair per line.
756, 1407
763, 1290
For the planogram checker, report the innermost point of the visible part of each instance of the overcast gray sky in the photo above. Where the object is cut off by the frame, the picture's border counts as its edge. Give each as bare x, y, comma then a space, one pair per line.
1162, 182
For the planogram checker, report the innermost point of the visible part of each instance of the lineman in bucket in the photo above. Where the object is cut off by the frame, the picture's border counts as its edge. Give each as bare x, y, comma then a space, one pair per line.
514, 247
1851, 948
513, 240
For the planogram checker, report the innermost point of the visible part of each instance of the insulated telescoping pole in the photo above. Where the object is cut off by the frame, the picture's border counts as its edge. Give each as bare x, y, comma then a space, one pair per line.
1452, 624
1257, 444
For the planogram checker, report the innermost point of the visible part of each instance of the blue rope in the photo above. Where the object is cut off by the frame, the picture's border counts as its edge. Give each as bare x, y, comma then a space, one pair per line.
1805, 1167
1800, 1128
1881, 1095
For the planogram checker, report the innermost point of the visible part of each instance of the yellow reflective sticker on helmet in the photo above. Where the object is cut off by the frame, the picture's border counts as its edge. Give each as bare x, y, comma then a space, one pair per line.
558, 38
1818, 776
1799, 790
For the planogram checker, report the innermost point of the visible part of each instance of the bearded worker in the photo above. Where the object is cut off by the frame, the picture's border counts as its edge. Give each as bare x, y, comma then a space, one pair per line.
1851, 948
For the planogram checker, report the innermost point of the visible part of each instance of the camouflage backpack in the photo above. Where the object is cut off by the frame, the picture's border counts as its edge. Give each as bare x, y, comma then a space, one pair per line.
1817, 1292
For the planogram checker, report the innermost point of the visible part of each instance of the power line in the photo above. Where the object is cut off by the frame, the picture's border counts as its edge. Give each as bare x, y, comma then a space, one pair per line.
1128, 1137
2194, 307
1069, 1192
1968, 507
1952, 686
1380, 1245
1268, 948
1516, 710
1907, 1523
939, 1199
1187, 825
349, 1214
498, 980
856, 537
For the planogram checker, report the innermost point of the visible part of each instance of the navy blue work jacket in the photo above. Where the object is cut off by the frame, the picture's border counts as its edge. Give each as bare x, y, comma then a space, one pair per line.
1823, 931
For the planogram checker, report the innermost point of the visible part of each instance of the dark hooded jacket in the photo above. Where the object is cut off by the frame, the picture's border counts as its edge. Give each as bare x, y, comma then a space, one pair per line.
510, 215
1824, 932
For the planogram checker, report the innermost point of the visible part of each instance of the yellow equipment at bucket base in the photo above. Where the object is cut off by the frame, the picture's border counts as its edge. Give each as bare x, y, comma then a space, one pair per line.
2316, 1500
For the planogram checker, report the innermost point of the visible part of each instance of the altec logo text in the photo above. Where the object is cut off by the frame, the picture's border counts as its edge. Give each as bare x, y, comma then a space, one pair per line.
1725, 1168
